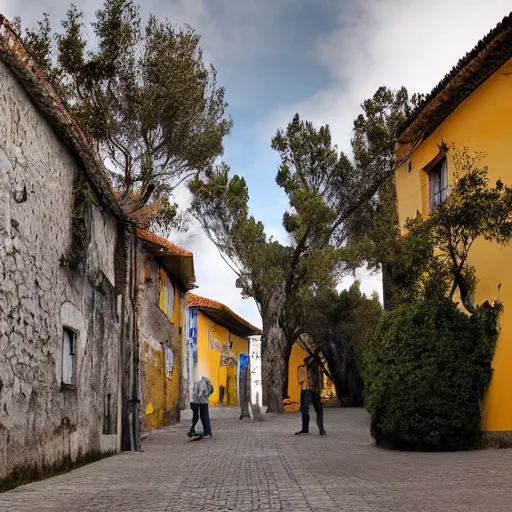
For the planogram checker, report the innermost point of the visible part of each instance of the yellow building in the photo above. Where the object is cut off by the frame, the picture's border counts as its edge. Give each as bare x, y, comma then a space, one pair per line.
472, 107
218, 337
296, 362
165, 274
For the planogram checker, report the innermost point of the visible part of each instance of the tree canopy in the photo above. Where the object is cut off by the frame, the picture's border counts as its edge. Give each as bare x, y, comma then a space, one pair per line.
338, 324
435, 250
314, 176
373, 228
143, 95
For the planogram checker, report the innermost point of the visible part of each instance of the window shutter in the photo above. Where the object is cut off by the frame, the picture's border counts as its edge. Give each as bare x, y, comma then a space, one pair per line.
444, 181
431, 192
66, 360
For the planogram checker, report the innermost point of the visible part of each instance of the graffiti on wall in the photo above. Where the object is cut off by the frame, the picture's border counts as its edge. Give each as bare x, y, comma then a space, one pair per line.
227, 357
169, 361
255, 370
192, 336
214, 339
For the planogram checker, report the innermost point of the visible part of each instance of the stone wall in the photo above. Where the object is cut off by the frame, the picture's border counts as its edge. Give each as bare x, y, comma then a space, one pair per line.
42, 424
160, 340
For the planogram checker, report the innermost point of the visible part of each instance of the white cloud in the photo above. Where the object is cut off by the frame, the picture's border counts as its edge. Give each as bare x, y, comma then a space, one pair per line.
370, 282
379, 42
214, 277
393, 43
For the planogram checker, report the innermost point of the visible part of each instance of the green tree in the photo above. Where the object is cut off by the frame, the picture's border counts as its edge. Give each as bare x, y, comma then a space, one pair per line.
143, 96
314, 176
338, 325
373, 229
474, 209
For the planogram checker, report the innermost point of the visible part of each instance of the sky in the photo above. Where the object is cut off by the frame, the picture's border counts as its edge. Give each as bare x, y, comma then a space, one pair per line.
318, 58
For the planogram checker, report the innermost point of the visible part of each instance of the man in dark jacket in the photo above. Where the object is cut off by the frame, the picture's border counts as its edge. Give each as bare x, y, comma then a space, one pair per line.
310, 395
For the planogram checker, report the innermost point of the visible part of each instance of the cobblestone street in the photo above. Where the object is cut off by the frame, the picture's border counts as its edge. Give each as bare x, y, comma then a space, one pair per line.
263, 466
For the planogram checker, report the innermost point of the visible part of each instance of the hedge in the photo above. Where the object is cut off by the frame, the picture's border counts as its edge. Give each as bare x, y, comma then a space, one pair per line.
426, 371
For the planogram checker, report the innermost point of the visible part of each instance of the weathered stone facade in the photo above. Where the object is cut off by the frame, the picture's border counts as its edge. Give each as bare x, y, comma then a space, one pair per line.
161, 311
42, 422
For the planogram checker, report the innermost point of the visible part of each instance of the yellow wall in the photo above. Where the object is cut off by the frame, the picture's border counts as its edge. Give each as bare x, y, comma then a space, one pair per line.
161, 393
483, 124
208, 360
296, 359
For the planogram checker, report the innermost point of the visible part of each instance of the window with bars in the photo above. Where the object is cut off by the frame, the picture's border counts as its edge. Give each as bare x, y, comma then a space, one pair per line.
69, 349
438, 185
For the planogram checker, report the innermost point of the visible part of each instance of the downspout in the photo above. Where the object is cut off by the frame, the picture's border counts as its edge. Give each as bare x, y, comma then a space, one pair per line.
185, 366
120, 374
134, 287
122, 409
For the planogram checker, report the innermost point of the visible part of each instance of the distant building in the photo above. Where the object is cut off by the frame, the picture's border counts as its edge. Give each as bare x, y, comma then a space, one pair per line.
165, 274
217, 344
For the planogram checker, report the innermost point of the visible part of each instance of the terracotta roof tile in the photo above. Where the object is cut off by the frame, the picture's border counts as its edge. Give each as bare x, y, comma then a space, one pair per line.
162, 242
202, 302
490, 53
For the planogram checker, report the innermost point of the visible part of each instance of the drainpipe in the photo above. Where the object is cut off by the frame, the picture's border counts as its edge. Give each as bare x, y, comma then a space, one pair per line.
123, 412
185, 366
135, 423
120, 307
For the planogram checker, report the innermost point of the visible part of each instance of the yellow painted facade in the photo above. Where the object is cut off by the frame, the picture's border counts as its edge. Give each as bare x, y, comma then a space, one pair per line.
296, 360
161, 394
160, 326
209, 359
482, 123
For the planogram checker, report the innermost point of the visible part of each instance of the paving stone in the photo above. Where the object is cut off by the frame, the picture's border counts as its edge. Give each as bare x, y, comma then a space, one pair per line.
262, 466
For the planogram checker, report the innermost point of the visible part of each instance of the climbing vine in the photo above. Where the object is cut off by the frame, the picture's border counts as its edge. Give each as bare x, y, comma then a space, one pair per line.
83, 198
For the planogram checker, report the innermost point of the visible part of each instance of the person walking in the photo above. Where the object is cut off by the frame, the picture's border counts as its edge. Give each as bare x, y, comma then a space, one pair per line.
310, 395
202, 390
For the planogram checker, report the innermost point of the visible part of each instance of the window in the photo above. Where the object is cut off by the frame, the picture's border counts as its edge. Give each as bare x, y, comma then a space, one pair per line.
438, 184
69, 345
167, 294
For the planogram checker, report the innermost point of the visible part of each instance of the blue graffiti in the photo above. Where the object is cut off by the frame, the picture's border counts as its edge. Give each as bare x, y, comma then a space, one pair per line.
244, 361
192, 334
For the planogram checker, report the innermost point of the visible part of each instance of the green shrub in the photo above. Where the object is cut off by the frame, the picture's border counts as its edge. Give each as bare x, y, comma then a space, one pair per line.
426, 371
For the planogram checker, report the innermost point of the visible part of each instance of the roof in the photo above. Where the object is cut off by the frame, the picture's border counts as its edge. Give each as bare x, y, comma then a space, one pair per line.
162, 242
491, 53
222, 315
177, 261
33, 79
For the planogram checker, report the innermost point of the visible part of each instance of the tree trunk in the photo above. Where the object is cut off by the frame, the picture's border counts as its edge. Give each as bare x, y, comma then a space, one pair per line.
274, 353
